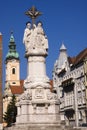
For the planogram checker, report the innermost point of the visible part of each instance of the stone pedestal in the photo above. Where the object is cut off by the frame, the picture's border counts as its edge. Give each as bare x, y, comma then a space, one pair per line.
37, 105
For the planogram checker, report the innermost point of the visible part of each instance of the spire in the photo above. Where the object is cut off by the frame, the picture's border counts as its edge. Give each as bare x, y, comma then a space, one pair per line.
62, 56
12, 45
12, 38
62, 48
12, 53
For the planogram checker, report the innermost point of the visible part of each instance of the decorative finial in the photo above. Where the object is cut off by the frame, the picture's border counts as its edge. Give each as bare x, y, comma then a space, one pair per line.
11, 37
62, 47
33, 13
11, 32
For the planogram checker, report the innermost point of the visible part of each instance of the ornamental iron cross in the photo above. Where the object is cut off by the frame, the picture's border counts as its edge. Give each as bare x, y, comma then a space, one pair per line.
33, 13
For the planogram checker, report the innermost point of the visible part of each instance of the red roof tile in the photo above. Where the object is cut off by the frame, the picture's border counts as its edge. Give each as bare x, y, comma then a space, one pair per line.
79, 58
17, 89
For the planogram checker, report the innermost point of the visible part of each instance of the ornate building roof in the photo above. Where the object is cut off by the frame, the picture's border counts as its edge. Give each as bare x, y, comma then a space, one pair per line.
62, 56
62, 62
79, 58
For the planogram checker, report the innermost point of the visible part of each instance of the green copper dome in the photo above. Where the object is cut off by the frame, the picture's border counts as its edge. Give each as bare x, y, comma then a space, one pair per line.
12, 53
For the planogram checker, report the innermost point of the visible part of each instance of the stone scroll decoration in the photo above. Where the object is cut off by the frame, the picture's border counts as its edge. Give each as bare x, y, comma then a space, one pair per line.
52, 96
25, 96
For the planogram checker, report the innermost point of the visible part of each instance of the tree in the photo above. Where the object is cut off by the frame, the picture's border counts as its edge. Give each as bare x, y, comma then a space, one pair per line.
10, 115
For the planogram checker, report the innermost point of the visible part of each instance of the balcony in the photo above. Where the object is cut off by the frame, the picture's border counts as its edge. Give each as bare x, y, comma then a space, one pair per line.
69, 108
68, 82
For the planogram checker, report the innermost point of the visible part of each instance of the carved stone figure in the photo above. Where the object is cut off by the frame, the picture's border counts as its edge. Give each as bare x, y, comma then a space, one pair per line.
41, 38
27, 33
35, 39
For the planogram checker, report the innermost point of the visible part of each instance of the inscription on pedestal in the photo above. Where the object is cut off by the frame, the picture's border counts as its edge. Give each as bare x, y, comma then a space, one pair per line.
39, 93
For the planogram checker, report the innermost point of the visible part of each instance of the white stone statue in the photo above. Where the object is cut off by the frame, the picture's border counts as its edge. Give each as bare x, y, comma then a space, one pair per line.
27, 33
35, 38
42, 41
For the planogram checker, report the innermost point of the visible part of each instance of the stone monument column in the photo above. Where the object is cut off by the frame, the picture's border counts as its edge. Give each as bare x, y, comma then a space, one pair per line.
37, 107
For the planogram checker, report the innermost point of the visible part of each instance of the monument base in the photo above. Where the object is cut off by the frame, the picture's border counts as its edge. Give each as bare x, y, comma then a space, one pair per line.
45, 126
34, 126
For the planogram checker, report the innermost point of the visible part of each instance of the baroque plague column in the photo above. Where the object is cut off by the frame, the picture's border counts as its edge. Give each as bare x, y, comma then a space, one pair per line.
37, 106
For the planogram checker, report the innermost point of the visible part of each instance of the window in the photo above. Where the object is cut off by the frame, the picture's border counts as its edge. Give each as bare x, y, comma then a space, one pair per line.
13, 70
79, 101
80, 115
13, 83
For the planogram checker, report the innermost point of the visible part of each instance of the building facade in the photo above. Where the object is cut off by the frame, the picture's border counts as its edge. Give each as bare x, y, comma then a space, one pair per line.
1, 98
70, 82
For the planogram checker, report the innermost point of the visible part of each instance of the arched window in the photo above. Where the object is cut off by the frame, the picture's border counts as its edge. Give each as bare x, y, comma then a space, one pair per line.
13, 70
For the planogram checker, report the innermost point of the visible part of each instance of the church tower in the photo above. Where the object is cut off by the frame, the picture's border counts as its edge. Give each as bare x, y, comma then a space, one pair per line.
12, 72
12, 64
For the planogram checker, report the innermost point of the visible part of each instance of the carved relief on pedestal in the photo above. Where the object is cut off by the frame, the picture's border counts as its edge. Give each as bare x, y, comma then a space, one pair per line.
39, 93
52, 96
26, 96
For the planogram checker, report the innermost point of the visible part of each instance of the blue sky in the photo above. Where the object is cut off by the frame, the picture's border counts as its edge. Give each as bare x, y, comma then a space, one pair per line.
63, 21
